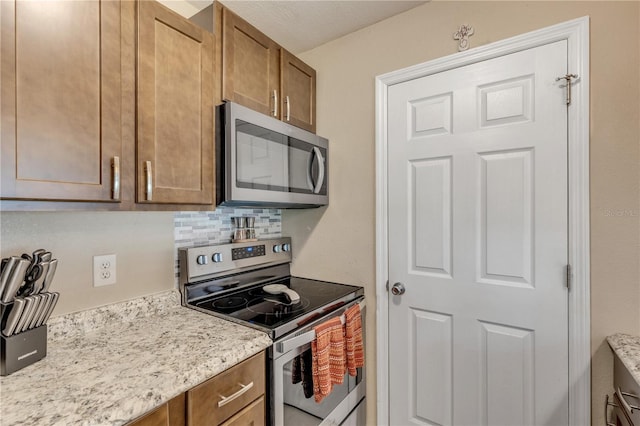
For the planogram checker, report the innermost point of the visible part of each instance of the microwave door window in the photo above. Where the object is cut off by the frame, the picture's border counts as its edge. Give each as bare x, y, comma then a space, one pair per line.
262, 158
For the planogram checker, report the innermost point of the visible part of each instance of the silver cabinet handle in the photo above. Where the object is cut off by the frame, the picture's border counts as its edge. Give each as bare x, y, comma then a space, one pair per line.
275, 103
398, 289
115, 165
627, 407
149, 187
288, 102
224, 400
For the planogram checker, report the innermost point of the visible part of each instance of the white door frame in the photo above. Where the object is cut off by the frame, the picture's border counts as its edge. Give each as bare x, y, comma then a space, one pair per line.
576, 32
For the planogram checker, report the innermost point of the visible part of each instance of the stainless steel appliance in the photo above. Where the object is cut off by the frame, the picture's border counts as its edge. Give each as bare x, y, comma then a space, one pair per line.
626, 397
250, 283
261, 161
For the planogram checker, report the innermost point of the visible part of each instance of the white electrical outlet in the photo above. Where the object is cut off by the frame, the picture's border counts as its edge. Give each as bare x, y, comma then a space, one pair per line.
104, 270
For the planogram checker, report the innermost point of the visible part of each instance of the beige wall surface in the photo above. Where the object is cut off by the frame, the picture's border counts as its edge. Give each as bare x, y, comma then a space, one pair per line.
142, 242
338, 242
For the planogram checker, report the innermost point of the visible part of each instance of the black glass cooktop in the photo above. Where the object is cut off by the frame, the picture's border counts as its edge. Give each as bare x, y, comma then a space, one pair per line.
255, 306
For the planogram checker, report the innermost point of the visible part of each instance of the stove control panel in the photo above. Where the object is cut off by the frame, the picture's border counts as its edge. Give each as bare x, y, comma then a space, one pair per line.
199, 263
247, 252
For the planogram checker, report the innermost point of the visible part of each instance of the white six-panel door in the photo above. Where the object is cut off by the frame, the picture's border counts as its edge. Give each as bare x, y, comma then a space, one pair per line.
477, 167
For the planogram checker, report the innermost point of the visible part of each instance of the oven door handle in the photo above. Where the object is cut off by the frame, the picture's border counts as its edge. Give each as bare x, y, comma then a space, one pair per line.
294, 342
297, 341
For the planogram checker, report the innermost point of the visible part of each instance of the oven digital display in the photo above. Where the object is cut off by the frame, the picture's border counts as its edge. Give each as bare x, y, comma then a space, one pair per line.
247, 252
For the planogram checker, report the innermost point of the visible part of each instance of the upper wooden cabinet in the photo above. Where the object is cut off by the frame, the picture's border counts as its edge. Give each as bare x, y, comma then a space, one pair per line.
298, 92
175, 151
259, 74
61, 100
251, 66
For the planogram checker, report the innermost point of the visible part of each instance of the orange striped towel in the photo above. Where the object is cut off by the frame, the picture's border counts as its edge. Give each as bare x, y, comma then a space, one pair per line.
353, 332
328, 357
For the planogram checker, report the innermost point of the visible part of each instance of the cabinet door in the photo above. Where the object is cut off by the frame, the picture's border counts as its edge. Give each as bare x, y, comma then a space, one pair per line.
175, 108
298, 92
61, 99
171, 413
251, 66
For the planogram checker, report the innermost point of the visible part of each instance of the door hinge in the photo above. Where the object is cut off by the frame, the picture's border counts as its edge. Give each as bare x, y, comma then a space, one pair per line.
567, 78
569, 276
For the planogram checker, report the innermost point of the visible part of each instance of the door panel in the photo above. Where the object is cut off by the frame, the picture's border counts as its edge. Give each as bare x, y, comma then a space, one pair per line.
175, 108
433, 379
61, 99
431, 218
477, 168
506, 200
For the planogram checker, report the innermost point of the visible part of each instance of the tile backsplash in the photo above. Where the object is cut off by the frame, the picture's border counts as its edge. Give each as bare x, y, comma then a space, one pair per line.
205, 228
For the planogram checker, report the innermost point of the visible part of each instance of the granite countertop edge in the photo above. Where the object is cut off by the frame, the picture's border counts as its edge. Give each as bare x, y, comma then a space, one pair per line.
627, 348
110, 365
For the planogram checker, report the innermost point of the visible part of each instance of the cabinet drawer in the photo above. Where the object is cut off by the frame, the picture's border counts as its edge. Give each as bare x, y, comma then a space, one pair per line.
251, 415
205, 404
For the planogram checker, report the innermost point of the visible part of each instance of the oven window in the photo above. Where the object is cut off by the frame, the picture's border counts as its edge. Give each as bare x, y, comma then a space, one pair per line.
300, 408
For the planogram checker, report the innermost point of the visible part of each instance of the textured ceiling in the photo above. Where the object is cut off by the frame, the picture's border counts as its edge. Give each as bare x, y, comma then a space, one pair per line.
301, 25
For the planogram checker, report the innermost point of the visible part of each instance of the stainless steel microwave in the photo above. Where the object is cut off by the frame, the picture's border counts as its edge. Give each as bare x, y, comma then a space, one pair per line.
264, 162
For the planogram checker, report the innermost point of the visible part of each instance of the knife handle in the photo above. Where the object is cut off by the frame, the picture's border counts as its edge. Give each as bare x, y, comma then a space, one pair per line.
52, 305
15, 281
53, 265
14, 316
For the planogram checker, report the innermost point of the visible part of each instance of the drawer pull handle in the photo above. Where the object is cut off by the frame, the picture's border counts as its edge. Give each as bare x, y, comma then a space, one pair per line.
224, 400
627, 407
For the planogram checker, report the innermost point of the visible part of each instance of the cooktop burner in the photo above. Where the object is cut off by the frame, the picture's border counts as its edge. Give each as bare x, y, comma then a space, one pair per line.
255, 306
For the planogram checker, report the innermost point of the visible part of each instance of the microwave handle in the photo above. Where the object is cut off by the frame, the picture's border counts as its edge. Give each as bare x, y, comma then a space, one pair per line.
315, 186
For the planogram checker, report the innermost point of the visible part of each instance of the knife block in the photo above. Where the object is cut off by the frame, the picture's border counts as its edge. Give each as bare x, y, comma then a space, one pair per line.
22, 349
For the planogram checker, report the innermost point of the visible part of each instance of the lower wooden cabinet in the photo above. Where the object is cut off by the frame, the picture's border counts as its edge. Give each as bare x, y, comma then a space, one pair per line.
235, 397
228, 393
252, 414
171, 413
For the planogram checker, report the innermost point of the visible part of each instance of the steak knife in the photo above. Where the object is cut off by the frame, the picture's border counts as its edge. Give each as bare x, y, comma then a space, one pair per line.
51, 306
48, 297
24, 316
14, 316
37, 308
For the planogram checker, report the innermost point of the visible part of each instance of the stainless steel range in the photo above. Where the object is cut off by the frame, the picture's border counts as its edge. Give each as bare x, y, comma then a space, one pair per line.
250, 283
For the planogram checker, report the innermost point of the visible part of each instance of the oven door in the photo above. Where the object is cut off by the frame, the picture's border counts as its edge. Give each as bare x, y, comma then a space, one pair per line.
293, 403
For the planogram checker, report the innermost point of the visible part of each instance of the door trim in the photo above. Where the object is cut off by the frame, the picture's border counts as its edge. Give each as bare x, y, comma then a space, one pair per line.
576, 33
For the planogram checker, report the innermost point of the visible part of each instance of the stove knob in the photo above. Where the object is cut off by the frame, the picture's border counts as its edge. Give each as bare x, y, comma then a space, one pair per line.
277, 248
217, 257
286, 247
202, 260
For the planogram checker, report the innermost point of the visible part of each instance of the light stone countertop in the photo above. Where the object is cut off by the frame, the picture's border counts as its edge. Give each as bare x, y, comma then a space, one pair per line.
627, 348
109, 365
